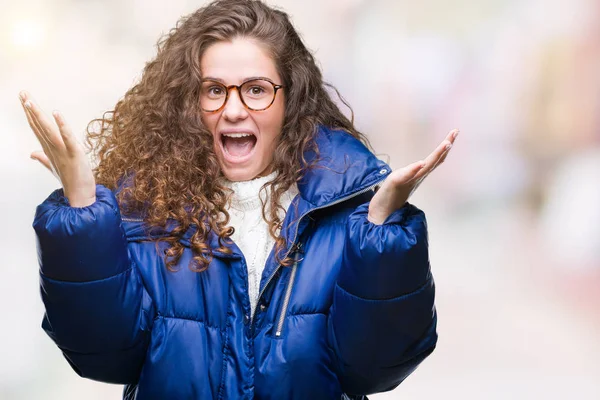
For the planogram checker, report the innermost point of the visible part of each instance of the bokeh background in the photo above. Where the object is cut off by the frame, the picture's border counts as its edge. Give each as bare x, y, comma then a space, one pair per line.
514, 213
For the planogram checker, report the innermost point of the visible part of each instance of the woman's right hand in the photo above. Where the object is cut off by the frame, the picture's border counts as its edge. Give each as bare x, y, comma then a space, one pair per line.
62, 154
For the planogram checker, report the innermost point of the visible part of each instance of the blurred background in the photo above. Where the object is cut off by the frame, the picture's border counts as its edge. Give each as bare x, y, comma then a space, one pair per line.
514, 213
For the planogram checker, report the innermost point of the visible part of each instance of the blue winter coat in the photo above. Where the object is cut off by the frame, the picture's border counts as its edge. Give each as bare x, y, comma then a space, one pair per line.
354, 315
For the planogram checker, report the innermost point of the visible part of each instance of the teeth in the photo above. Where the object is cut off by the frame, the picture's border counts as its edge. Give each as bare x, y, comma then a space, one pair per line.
237, 135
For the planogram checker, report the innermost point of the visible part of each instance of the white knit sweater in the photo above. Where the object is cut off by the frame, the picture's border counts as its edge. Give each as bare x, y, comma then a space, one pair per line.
251, 230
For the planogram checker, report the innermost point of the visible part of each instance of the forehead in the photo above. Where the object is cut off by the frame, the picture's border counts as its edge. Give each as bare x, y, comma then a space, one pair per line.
235, 60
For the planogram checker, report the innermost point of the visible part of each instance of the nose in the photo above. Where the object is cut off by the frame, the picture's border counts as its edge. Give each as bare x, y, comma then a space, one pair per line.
234, 109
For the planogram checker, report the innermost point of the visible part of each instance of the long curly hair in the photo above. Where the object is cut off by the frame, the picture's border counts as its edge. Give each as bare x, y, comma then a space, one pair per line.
155, 136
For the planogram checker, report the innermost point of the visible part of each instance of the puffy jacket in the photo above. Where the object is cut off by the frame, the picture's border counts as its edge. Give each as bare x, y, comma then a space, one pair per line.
354, 314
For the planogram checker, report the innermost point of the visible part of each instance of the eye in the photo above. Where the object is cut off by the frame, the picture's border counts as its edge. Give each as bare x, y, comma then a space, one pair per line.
256, 90
215, 90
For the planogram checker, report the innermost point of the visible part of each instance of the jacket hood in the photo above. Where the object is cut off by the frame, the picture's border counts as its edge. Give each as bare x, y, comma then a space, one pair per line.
345, 166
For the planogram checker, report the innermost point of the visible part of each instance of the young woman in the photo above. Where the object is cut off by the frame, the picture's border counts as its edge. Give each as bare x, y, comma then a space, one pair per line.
237, 240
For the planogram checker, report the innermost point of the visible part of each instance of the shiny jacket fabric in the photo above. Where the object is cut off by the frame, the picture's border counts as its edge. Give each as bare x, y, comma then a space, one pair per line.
354, 315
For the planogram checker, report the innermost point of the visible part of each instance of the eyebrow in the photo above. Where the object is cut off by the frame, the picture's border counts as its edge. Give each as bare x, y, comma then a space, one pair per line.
251, 78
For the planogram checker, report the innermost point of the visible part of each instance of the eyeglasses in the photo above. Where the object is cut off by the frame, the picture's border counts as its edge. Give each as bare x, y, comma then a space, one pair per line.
256, 95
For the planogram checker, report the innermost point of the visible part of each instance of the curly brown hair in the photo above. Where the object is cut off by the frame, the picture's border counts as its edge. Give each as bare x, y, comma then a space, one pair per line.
155, 135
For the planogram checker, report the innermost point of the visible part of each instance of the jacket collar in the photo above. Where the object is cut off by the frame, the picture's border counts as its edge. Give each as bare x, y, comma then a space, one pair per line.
345, 166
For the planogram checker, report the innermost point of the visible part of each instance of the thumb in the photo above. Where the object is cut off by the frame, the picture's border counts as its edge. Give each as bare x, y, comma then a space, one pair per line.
43, 159
413, 169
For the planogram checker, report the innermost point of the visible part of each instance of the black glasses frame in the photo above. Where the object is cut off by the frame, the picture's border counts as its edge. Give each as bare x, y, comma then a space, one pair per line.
238, 89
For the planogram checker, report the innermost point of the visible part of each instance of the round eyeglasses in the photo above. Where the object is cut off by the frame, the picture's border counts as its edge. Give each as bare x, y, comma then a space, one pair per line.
256, 94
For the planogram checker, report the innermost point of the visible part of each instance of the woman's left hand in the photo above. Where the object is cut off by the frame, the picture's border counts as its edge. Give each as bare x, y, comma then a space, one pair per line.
400, 184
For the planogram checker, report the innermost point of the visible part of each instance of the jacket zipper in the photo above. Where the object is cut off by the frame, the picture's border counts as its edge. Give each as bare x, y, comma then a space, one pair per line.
292, 247
131, 219
288, 292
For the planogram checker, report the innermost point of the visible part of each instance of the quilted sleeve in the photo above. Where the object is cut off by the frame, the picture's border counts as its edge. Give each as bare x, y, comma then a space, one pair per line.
97, 310
382, 323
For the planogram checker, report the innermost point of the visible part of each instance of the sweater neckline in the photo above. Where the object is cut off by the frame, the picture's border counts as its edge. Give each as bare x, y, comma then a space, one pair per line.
247, 194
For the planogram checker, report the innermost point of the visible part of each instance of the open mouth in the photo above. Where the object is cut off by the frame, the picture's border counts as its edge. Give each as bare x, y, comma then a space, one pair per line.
238, 145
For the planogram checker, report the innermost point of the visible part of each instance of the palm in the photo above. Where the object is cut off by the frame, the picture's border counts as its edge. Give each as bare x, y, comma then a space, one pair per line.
401, 183
61, 153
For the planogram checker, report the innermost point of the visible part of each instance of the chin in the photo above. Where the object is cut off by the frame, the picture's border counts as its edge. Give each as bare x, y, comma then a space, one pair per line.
241, 174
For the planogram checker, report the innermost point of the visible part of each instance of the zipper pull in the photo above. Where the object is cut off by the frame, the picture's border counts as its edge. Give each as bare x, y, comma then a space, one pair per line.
297, 248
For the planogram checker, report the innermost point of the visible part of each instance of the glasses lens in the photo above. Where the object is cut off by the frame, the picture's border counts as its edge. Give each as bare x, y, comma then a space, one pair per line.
212, 95
258, 94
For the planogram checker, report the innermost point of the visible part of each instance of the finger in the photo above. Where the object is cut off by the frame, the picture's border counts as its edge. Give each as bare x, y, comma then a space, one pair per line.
47, 150
414, 168
437, 157
451, 137
419, 178
36, 128
433, 158
65, 132
43, 159
44, 123
441, 161
27, 112
407, 173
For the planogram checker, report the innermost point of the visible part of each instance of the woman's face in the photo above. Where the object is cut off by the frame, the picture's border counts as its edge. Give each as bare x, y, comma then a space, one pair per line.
233, 63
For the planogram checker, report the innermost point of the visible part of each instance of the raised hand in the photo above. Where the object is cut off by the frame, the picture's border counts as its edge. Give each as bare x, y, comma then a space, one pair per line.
62, 153
401, 183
